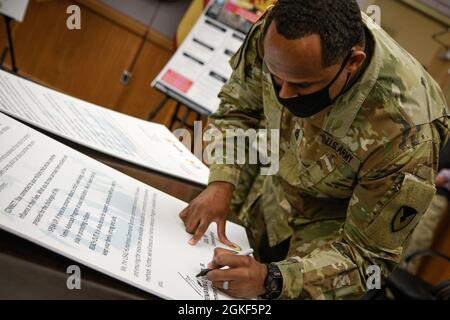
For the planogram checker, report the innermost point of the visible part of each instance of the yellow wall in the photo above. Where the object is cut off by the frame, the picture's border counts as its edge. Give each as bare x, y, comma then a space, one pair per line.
413, 30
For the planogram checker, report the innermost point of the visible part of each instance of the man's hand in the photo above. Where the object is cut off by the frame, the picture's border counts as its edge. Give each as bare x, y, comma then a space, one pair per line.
245, 275
212, 205
443, 178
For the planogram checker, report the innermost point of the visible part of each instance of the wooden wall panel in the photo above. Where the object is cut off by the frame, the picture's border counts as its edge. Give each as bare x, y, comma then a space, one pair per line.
139, 98
85, 63
2, 35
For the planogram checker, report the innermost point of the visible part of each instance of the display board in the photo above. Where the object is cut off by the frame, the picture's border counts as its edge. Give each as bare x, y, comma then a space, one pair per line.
200, 67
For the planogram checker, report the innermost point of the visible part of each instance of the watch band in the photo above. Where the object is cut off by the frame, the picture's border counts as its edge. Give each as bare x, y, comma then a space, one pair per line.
273, 283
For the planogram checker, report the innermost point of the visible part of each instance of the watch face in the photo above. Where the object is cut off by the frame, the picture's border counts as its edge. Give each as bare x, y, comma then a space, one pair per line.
273, 284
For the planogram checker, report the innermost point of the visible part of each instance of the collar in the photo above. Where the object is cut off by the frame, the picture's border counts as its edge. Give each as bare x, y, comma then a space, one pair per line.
338, 119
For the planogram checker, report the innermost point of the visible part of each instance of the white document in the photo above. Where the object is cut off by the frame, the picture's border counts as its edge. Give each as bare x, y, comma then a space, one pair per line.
200, 67
134, 140
69, 203
14, 8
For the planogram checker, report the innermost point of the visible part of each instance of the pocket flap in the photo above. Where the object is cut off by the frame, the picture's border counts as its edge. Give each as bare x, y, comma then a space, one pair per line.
401, 212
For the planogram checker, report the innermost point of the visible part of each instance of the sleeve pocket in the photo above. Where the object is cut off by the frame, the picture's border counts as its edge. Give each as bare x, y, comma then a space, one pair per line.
400, 213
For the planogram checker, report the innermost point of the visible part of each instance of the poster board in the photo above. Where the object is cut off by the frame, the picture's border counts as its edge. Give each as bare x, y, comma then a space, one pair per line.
147, 144
200, 67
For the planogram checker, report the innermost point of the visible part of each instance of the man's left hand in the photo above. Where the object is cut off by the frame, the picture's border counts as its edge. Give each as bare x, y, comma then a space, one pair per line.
245, 275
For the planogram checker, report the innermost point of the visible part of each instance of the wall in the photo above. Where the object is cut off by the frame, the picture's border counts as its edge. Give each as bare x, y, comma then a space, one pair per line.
414, 30
161, 16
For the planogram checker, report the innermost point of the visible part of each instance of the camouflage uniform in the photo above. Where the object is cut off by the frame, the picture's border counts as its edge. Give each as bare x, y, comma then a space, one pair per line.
354, 180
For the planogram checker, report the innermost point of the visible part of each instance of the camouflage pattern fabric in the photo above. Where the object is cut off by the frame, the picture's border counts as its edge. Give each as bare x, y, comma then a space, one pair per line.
354, 180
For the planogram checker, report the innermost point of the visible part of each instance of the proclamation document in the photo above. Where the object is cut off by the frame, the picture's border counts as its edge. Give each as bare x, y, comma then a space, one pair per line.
80, 208
134, 140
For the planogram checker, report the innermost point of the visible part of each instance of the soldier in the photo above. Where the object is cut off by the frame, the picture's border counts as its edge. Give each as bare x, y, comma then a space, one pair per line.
361, 125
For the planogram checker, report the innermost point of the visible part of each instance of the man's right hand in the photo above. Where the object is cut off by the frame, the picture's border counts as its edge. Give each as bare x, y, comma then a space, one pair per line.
212, 205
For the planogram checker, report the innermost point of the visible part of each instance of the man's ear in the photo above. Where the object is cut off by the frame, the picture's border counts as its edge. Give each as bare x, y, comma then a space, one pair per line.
356, 60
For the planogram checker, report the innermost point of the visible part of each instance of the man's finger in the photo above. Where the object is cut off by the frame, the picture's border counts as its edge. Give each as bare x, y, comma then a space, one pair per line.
440, 181
192, 223
221, 227
236, 274
231, 260
221, 285
217, 252
231, 291
184, 213
201, 229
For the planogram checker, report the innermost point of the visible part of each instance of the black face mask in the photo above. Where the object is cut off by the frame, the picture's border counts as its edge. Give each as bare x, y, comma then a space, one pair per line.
308, 105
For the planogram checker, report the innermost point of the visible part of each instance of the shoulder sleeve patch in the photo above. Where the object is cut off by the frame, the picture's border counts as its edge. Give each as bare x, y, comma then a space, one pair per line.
401, 211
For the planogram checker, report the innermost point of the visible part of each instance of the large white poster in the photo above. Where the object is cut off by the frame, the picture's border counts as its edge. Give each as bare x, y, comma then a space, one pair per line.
69, 203
144, 143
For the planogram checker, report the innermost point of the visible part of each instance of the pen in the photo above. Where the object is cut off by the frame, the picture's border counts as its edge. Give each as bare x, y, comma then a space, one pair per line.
204, 272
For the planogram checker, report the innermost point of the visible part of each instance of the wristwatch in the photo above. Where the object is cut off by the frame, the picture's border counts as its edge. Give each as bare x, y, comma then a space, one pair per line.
273, 282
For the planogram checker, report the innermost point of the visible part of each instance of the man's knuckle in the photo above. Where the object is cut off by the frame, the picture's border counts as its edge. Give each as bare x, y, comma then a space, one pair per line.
194, 207
246, 261
200, 206
190, 229
212, 276
218, 261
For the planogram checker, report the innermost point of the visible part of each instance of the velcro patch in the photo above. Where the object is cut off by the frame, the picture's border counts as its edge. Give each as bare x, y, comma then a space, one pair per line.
400, 212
